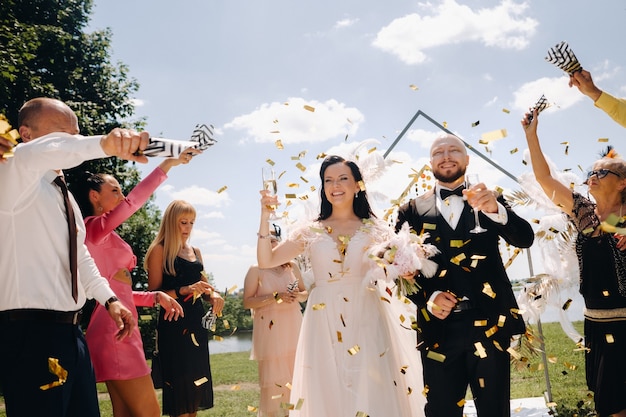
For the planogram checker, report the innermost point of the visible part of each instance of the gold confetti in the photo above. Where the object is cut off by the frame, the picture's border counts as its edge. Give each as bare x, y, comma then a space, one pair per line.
58, 371
481, 382
445, 125
235, 388
269, 161
458, 259
413, 87
217, 338
319, 306
226, 324
436, 356
201, 381
222, 189
193, 340
507, 111
609, 338
480, 350
476, 123
488, 137
231, 289
309, 108
252, 409
488, 291
457, 243
290, 195
461, 402
279, 144
512, 151
145, 317
339, 337
603, 139
354, 350
490, 332
480, 323
281, 174
293, 185
275, 131
299, 403
275, 397
567, 304
514, 353
361, 185
300, 167
501, 320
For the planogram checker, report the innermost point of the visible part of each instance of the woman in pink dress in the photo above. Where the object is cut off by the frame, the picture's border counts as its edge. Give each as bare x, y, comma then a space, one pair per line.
274, 296
121, 363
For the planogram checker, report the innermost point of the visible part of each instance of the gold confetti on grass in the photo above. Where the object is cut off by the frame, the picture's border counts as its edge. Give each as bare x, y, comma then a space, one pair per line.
252, 409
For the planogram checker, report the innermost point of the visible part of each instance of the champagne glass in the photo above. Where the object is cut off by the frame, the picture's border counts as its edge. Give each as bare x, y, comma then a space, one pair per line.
470, 180
269, 184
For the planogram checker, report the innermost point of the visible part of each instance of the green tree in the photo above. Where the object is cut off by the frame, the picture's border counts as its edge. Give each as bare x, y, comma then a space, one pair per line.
45, 51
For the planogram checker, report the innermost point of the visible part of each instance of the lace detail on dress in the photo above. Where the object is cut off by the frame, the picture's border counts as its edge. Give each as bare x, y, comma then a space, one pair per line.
586, 221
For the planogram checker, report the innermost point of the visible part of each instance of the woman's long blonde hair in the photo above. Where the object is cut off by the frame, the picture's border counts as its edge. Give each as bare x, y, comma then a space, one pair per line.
169, 235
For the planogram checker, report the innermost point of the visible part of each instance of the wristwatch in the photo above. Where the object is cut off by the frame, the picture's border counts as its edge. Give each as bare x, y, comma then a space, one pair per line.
109, 301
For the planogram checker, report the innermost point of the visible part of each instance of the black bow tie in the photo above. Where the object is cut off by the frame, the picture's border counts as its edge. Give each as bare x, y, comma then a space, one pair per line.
447, 193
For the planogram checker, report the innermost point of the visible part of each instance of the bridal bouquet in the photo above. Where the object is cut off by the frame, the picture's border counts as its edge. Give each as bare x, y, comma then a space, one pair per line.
403, 255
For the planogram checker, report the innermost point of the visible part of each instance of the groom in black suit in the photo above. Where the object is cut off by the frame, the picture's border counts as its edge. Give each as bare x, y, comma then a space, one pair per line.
467, 312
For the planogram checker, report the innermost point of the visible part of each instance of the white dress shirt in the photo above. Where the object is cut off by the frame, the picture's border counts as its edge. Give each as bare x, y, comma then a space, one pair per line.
34, 255
451, 209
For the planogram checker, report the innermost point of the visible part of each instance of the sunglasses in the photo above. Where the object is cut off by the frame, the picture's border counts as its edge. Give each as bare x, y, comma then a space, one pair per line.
601, 173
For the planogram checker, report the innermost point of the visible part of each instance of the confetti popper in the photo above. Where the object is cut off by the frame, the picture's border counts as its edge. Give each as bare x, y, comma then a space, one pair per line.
563, 57
540, 105
201, 139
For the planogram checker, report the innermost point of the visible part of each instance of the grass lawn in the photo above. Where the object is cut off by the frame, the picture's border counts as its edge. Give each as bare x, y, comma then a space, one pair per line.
235, 379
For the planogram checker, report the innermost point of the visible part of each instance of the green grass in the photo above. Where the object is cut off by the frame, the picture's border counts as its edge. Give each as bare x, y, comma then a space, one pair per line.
235, 379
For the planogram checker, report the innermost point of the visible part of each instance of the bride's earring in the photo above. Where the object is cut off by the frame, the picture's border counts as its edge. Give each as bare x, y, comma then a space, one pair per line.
356, 195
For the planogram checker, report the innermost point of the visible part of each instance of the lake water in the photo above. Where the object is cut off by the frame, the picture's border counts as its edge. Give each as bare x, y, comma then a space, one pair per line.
238, 342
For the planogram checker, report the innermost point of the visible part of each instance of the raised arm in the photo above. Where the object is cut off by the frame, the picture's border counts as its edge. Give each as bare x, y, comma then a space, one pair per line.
560, 194
281, 254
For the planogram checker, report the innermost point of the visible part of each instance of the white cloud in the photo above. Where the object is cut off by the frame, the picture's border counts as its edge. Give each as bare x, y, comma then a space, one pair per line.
557, 92
197, 196
137, 102
292, 123
502, 26
344, 23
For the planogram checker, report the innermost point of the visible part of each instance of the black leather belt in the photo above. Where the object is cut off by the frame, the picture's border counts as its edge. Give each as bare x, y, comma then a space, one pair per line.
51, 316
462, 305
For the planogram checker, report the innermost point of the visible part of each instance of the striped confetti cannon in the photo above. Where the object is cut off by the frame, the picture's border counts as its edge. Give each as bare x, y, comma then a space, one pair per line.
201, 138
563, 57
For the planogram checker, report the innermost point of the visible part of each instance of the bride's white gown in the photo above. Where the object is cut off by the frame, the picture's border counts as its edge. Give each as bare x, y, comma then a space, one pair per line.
356, 353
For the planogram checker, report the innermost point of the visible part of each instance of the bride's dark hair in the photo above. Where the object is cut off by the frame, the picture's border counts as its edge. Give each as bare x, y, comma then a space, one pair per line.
360, 205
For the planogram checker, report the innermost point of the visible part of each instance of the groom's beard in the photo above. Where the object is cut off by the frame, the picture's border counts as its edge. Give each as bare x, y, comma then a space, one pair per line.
451, 177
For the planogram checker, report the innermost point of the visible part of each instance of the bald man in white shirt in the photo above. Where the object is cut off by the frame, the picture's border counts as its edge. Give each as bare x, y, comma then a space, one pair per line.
39, 314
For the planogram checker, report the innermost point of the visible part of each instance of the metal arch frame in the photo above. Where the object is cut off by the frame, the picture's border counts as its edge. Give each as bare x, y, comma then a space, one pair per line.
548, 393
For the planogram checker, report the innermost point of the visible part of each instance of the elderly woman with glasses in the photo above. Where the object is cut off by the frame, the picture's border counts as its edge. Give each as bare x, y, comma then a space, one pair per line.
602, 263
274, 296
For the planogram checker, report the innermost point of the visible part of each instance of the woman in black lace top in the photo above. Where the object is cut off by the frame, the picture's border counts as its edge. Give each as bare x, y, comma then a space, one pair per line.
602, 261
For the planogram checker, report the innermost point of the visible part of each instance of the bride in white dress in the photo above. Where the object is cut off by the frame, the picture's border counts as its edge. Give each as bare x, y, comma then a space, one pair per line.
356, 354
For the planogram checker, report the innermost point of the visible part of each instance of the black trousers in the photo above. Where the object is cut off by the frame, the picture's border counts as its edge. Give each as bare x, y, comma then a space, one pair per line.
25, 349
489, 377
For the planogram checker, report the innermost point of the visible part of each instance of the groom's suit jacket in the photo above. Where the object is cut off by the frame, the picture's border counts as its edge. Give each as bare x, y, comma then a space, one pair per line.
470, 266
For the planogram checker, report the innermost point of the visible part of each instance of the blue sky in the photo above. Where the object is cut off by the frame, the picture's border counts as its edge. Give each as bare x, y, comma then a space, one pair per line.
249, 67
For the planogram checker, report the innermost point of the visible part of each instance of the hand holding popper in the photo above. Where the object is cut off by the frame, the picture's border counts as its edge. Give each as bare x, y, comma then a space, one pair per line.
201, 139
563, 57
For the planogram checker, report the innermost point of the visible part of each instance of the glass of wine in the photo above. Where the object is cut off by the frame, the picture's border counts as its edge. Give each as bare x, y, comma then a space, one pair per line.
269, 184
470, 180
